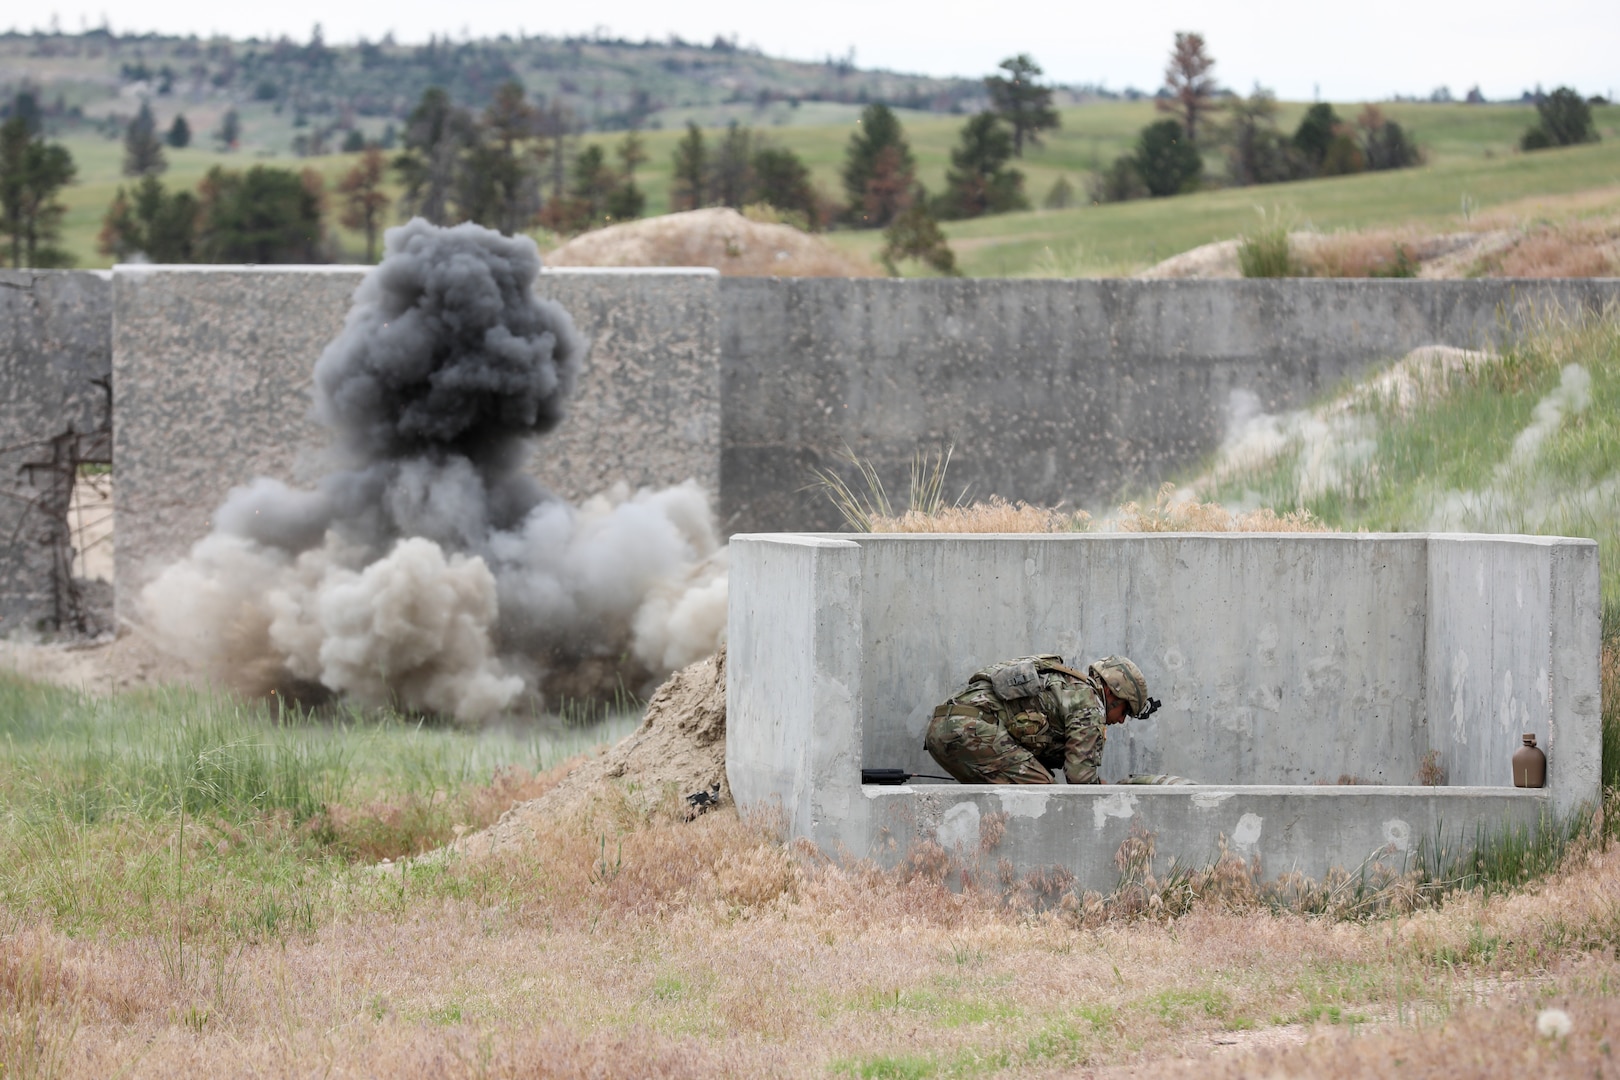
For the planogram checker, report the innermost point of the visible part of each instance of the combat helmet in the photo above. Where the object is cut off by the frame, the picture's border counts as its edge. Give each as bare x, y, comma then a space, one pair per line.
1125, 680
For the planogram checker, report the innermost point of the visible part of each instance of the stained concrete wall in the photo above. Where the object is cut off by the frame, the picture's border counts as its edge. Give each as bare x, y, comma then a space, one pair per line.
55, 360
1284, 661
1049, 390
212, 372
1053, 391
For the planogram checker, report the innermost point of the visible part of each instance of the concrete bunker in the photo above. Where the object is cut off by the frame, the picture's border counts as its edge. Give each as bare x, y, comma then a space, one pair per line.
1285, 662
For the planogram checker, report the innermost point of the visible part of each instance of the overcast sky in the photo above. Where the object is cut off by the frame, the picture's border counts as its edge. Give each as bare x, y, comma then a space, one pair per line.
1371, 49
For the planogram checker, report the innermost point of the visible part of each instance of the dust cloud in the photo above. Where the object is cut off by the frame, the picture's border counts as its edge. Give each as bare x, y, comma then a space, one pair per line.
428, 569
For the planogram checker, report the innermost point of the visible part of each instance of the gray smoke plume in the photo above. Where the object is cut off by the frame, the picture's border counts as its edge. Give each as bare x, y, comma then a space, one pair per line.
429, 569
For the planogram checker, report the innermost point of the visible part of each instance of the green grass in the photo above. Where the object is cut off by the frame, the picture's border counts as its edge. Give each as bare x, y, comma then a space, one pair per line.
237, 820
1470, 150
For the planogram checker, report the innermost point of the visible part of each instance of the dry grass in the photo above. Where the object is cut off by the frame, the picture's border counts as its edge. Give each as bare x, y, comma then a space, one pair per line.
1174, 511
995, 515
626, 943
720, 237
1547, 237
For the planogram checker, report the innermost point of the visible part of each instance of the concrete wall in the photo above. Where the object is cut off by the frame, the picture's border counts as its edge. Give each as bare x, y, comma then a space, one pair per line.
55, 360
213, 374
1318, 684
1052, 391
1284, 662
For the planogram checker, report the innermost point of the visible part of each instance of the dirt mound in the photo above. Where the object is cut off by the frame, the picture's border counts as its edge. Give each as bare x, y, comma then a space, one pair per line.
679, 750
1586, 248
720, 237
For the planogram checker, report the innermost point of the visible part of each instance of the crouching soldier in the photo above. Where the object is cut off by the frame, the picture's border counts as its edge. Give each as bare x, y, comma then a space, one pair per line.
1020, 721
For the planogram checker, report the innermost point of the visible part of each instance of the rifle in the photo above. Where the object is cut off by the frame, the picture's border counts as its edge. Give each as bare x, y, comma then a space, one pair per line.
896, 777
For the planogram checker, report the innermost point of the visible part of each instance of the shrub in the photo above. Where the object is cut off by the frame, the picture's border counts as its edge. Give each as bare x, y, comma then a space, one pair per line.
1166, 160
1566, 120
1343, 157
1315, 133
915, 234
1061, 197
1120, 182
1265, 253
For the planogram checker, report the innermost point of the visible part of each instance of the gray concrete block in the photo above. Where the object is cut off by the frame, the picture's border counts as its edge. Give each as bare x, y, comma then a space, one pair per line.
1053, 392
1305, 830
1284, 661
55, 362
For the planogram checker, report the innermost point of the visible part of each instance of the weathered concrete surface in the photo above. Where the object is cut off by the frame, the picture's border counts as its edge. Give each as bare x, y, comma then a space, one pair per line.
55, 360
1052, 391
1284, 661
1311, 830
213, 376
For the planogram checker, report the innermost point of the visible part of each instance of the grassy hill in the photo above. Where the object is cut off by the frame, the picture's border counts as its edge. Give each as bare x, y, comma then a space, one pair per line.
1473, 165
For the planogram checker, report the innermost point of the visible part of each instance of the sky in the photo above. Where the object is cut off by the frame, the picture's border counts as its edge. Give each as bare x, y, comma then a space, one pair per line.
1342, 52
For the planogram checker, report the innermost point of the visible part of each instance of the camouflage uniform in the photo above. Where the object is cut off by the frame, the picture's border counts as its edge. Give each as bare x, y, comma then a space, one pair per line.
980, 737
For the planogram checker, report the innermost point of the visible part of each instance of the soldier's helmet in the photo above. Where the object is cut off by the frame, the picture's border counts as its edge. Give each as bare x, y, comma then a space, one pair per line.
1125, 680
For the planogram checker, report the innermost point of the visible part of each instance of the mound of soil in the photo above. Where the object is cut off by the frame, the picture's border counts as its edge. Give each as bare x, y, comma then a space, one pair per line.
719, 237
679, 750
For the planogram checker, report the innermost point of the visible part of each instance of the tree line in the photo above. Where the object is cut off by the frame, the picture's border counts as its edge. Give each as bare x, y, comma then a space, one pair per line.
517, 164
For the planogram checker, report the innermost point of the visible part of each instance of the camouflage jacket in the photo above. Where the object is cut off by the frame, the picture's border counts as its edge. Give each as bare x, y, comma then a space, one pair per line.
1062, 723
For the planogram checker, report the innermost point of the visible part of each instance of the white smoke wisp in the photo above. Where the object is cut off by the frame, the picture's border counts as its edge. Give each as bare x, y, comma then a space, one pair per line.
1514, 500
429, 570
1334, 444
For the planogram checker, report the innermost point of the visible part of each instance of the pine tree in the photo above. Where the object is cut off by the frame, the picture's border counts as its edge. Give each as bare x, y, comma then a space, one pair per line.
1192, 88
782, 181
230, 130
265, 215
364, 202
1022, 102
32, 173
978, 181
179, 135
436, 134
143, 150
879, 170
152, 223
1166, 160
498, 182
914, 234
691, 170
731, 181
627, 202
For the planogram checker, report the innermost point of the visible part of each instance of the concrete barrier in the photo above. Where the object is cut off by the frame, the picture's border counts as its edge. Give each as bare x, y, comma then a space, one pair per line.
55, 412
1055, 392
1285, 662
1050, 390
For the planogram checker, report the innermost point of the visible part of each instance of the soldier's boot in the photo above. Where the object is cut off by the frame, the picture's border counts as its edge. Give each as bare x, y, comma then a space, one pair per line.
976, 751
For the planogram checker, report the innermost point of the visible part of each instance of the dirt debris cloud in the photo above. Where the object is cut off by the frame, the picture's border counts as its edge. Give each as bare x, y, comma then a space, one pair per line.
428, 568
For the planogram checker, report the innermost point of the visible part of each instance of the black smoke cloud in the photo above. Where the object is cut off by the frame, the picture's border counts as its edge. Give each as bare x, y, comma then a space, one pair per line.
428, 566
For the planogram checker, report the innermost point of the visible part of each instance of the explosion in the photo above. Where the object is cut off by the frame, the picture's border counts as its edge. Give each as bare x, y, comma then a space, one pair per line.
428, 569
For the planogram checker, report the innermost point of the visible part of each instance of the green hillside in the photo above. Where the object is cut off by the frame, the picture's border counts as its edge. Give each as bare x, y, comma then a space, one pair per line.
1471, 154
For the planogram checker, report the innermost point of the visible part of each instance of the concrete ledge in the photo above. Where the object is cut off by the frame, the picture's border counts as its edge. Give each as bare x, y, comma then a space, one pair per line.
1311, 830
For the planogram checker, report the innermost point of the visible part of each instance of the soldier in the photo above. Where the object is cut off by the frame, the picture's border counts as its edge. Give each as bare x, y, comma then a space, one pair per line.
1019, 721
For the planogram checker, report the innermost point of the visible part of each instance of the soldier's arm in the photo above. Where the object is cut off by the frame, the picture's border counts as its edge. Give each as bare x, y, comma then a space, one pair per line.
1084, 732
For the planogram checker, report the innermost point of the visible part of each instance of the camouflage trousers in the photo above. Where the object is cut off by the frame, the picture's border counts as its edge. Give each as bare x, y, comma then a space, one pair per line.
976, 750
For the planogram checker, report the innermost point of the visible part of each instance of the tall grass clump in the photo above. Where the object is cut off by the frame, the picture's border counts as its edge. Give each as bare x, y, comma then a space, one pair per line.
1265, 252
